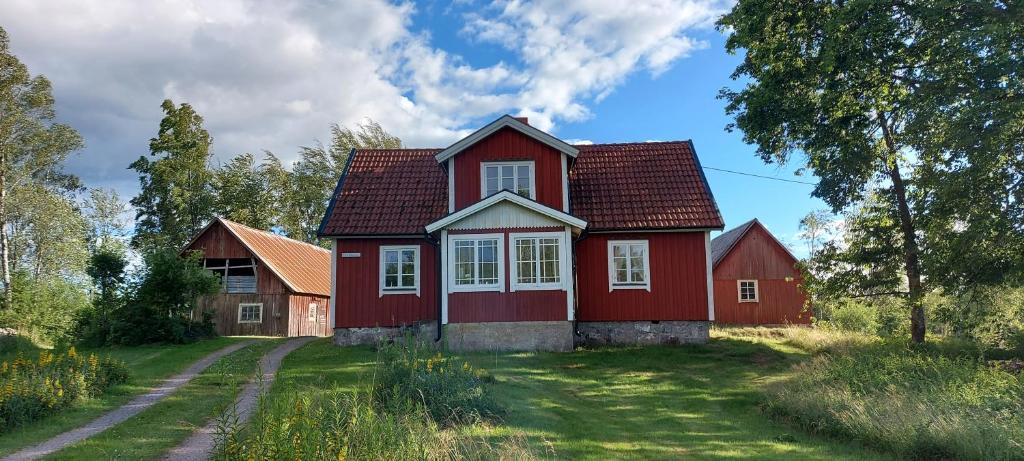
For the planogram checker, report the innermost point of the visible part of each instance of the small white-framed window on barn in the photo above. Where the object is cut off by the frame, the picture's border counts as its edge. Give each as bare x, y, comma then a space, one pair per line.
399, 270
250, 313
313, 307
517, 177
629, 265
747, 290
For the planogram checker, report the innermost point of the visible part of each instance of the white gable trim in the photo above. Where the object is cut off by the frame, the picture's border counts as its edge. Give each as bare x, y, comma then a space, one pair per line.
510, 197
506, 121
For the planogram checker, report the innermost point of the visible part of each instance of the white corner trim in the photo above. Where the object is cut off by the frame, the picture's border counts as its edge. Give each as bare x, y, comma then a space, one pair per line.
451, 185
416, 271
510, 197
565, 183
444, 277
514, 164
502, 122
570, 292
612, 285
334, 286
710, 276
500, 250
514, 260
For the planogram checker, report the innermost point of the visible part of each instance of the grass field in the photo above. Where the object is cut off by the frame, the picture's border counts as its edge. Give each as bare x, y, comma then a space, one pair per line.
697, 402
148, 366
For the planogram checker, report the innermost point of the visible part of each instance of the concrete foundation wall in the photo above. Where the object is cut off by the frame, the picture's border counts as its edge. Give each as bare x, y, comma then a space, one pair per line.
643, 333
510, 336
423, 332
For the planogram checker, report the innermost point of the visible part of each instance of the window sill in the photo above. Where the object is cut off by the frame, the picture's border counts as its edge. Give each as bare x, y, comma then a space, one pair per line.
250, 321
412, 291
629, 287
551, 287
475, 289
749, 301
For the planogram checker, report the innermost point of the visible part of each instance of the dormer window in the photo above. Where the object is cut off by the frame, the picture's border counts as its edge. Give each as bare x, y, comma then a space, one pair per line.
517, 177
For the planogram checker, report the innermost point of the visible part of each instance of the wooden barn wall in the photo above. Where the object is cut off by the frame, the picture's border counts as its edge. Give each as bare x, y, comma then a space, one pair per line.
757, 256
218, 242
518, 306
360, 304
225, 314
678, 274
299, 323
511, 145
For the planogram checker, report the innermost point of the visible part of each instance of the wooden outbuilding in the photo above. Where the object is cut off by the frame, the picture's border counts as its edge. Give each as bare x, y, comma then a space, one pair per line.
756, 278
271, 285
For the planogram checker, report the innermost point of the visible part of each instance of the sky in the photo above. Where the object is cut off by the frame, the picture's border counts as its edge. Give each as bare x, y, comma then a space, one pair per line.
274, 74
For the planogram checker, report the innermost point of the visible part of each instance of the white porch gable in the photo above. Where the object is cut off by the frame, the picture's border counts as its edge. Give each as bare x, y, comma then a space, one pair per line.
506, 210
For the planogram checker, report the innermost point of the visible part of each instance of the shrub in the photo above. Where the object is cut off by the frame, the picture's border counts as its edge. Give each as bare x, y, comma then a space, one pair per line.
44, 308
32, 389
450, 390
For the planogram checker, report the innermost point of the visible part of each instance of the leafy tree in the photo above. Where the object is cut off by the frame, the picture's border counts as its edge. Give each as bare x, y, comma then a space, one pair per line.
44, 308
245, 192
33, 146
813, 227
176, 196
859, 87
48, 233
106, 214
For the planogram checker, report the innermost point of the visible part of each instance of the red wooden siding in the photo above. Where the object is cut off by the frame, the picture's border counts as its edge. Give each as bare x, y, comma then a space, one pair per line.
509, 144
299, 323
359, 303
757, 256
678, 279
217, 242
518, 306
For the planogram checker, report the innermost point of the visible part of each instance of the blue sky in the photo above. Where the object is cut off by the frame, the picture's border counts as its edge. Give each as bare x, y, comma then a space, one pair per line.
274, 74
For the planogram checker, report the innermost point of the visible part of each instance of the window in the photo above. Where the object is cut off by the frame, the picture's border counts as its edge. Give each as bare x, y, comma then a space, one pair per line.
250, 313
514, 176
476, 262
536, 261
237, 275
747, 290
312, 312
628, 265
399, 270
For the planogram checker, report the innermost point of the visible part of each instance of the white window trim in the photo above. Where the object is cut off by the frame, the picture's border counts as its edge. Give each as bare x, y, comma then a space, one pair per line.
483, 176
241, 305
739, 292
381, 291
612, 285
514, 285
450, 264
314, 309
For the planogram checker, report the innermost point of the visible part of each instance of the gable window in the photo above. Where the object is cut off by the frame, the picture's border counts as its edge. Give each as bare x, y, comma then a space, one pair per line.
517, 177
399, 270
476, 262
747, 290
536, 261
628, 265
237, 275
250, 313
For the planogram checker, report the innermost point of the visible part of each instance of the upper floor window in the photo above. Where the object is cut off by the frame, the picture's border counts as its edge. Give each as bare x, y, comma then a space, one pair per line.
628, 265
517, 177
399, 270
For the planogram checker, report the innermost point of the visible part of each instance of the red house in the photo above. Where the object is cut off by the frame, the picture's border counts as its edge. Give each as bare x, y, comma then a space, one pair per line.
756, 279
513, 239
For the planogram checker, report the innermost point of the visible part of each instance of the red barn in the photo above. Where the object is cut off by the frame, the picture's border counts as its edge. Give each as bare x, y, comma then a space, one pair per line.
756, 279
271, 285
513, 239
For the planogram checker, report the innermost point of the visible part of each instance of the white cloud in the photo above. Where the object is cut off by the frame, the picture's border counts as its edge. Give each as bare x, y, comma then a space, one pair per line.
273, 74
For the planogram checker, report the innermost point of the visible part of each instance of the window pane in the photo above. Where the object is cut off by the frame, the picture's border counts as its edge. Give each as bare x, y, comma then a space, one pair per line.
408, 280
391, 256
507, 171
488, 273
391, 280
549, 272
619, 251
526, 272
488, 250
408, 269
636, 276
621, 275
408, 256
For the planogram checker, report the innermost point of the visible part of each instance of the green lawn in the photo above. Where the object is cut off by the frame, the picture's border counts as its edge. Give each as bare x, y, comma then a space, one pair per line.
694, 402
164, 425
148, 366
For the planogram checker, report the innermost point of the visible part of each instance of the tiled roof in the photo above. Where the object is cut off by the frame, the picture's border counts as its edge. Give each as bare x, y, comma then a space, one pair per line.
721, 245
649, 185
613, 187
388, 192
303, 268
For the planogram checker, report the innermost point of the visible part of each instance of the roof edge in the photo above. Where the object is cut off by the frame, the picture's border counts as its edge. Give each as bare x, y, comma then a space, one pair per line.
502, 122
334, 197
503, 196
704, 179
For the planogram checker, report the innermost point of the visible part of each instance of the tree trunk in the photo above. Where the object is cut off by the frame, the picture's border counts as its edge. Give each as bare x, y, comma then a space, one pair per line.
911, 261
5, 252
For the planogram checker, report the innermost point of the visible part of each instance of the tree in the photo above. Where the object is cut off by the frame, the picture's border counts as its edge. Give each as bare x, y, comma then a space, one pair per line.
106, 214
176, 197
855, 85
245, 192
33, 146
813, 227
48, 233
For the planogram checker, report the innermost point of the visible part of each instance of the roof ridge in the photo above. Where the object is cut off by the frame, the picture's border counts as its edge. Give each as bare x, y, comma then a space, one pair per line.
271, 234
635, 143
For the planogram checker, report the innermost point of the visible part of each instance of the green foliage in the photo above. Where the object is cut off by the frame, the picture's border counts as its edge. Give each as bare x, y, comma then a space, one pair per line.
48, 233
245, 192
32, 389
45, 308
176, 197
919, 402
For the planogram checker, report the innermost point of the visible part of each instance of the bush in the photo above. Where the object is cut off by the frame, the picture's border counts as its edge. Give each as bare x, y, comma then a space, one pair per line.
451, 391
933, 402
32, 389
44, 309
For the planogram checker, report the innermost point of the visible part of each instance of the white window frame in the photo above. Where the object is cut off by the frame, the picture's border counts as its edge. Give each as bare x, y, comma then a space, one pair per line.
260, 310
314, 312
739, 291
499, 287
515, 165
381, 290
563, 275
612, 284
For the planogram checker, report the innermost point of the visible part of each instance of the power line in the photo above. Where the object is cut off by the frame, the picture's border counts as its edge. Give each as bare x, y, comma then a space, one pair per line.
760, 176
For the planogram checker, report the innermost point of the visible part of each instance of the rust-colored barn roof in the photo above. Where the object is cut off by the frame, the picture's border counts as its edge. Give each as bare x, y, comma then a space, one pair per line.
633, 186
302, 267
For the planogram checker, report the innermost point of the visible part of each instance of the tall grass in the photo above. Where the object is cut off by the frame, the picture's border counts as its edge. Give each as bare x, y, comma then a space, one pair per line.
32, 389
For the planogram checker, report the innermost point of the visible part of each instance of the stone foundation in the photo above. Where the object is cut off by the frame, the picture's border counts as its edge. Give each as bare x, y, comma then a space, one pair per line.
423, 332
510, 336
642, 333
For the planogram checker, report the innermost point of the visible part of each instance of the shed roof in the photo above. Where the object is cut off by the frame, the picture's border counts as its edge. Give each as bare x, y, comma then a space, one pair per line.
724, 243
